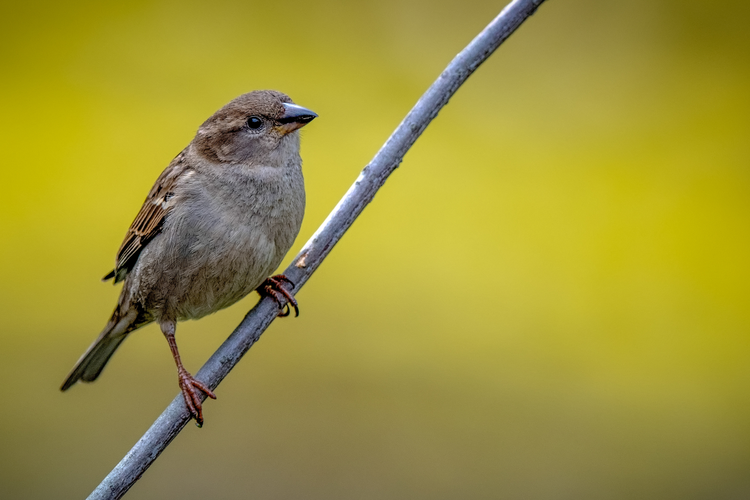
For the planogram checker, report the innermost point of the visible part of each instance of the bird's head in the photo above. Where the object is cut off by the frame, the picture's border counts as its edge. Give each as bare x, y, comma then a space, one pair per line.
256, 128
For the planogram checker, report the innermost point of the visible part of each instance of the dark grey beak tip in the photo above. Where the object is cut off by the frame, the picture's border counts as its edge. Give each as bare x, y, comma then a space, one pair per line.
295, 113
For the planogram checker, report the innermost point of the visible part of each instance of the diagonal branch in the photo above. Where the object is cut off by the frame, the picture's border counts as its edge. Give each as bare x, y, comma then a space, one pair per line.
374, 175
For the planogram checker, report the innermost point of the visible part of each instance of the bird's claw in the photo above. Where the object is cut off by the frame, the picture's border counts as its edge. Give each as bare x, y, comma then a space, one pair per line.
274, 288
190, 387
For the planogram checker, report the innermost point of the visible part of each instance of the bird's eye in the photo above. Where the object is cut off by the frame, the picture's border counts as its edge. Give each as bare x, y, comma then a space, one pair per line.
254, 122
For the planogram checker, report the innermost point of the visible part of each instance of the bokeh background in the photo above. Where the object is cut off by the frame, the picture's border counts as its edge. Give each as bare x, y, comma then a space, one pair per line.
548, 299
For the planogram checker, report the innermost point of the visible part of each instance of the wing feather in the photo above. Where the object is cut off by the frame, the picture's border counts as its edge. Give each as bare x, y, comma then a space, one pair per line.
150, 218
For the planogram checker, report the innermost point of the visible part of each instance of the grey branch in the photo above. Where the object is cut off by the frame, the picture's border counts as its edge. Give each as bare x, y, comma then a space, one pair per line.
374, 175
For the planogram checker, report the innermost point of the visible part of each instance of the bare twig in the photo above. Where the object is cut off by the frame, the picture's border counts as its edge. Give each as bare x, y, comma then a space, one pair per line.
176, 416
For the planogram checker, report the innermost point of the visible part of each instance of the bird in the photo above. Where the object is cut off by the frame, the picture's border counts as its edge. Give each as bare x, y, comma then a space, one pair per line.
217, 222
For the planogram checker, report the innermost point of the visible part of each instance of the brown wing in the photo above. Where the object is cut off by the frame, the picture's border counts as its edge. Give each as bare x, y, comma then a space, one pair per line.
149, 220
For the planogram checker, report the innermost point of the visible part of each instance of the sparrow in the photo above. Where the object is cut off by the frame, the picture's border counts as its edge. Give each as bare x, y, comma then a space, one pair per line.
215, 225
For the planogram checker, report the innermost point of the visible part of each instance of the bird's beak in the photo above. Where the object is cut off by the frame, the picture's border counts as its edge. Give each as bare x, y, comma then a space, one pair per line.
295, 117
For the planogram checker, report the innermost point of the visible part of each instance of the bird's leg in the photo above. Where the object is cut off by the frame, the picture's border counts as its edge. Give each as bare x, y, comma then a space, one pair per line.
274, 288
188, 384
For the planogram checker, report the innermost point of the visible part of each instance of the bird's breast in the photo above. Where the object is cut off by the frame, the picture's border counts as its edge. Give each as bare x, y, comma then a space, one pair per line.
223, 237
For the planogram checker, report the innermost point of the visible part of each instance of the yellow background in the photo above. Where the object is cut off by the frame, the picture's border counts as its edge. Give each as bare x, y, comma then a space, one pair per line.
548, 299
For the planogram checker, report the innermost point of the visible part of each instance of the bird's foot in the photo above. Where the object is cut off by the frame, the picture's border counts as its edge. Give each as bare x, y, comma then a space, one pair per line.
274, 288
190, 387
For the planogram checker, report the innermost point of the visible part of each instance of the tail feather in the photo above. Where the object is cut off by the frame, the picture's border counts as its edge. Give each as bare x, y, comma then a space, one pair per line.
96, 356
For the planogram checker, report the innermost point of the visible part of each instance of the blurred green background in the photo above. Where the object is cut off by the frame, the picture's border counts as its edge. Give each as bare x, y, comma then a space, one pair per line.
549, 299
